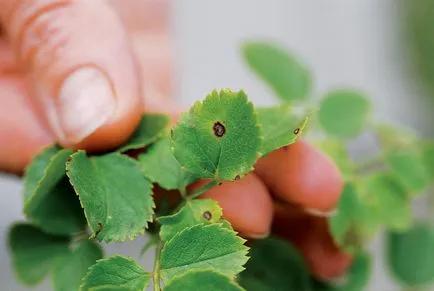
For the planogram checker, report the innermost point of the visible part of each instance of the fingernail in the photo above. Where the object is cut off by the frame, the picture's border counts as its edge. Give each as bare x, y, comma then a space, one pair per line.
85, 102
320, 213
256, 235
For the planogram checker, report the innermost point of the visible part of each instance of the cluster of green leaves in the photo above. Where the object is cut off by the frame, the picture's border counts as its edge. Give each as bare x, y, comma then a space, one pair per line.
75, 200
379, 190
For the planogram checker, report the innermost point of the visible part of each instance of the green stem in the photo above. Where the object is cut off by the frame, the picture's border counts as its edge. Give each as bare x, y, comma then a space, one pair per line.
156, 276
203, 189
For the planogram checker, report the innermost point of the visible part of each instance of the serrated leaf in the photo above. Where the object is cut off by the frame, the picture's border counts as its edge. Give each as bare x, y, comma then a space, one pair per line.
69, 270
336, 150
203, 246
355, 280
115, 272
387, 200
49, 202
344, 113
33, 252
275, 265
193, 212
287, 76
116, 197
36, 170
354, 222
218, 138
410, 255
150, 129
160, 166
407, 167
59, 212
281, 126
202, 280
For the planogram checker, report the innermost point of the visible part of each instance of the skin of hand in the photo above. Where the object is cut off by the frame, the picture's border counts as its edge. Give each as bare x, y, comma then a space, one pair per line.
81, 73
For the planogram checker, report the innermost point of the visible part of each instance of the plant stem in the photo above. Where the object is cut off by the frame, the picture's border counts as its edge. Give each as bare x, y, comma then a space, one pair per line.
203, 189
156, 273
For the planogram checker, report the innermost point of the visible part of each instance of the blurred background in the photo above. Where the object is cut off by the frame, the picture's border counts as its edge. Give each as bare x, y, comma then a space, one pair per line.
363, 44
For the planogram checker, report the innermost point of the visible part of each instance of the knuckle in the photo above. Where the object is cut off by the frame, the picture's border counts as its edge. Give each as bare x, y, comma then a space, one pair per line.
35, 30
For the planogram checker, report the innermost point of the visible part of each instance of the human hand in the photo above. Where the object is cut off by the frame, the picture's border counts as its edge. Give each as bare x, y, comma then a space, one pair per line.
69, 74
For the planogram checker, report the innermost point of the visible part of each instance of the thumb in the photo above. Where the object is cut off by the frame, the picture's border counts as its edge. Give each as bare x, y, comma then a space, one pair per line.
79, 64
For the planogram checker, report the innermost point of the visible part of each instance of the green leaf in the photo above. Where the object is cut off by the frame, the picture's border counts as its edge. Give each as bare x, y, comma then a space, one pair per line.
275, 265
114, 273
287, 76
354, 221
392, 137
281, 126
356, 279
150, 129
344, 113
218, 138
59, 212
411, 255
49, 201
33, 252
407, 167
116, 197
387, 200
203, 246
36, 170
193, 212
202, 280
69, 271
336, 150
428, 158
160, 166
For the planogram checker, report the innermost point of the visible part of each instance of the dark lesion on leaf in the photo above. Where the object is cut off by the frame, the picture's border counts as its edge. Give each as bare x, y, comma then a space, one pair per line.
99, 229
219, 129
207, 215
296, 131
237, 177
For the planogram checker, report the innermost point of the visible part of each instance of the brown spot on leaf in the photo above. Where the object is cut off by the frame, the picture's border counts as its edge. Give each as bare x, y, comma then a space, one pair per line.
207, 215
219, 129
237, 177
99, 229
296, 131
68, 160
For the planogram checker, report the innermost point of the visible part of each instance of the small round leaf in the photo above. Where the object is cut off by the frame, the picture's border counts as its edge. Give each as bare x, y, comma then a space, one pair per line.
343, 113
218, 138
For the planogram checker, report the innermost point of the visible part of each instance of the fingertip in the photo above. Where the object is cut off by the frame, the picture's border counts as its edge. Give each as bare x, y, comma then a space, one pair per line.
246, 205
310, 235
112, 134
300, 174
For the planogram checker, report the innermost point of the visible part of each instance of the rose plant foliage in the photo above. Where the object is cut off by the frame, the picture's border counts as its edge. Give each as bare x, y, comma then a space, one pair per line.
75, 201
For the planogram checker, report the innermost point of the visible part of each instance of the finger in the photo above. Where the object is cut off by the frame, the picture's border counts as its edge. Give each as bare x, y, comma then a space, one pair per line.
300, 174
310, 236
21, 132
246, 205
80, 65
